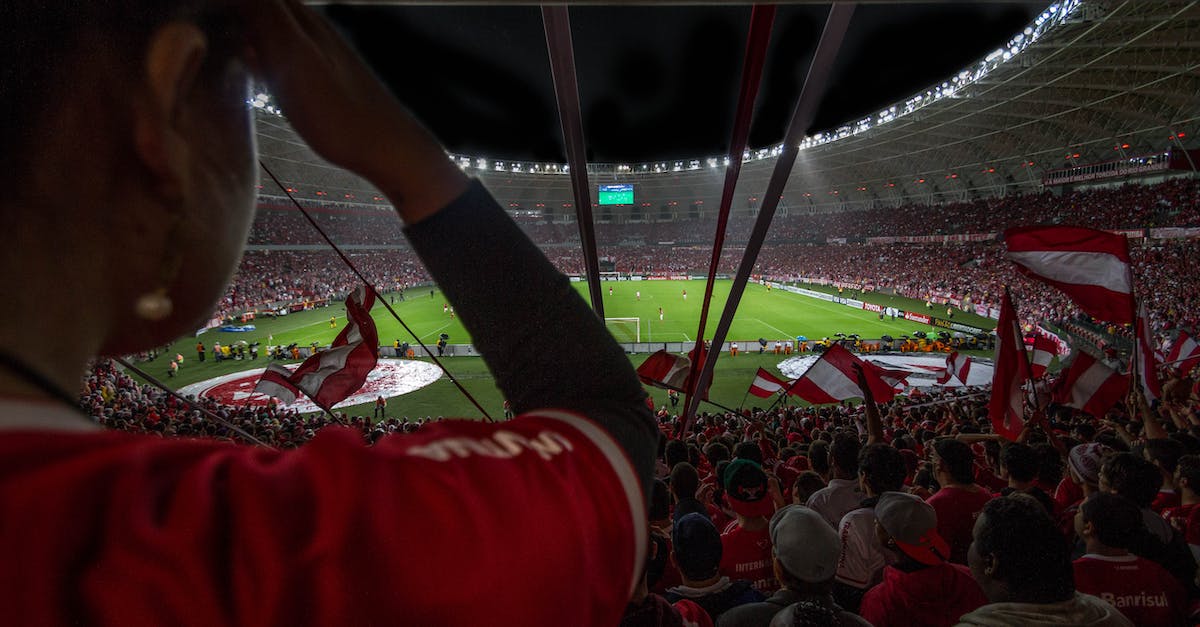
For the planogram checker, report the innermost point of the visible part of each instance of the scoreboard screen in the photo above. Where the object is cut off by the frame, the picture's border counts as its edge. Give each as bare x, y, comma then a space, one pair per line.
616, 194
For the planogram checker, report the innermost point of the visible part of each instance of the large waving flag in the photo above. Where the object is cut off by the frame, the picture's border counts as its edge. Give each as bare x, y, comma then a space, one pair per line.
958, 367
669, 371
1009, 374
328, 377
1185, 352
766, 384
832, 379
1091, 267
1147, 363
1090, 385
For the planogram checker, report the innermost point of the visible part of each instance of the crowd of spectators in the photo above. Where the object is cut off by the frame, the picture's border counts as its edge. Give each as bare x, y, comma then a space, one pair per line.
903, 512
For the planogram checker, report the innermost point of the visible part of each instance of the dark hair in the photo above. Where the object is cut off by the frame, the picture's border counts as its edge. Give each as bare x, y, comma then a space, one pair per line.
883, 467
1118, 522
660, 501
675, 453
1050, 464
748, 450
818, 456
716, 452
44, 44
844, 452
1189, 468
1032, 558
1020, 461
956, 458
1132, 477
807, 484
1166, 452
684, 480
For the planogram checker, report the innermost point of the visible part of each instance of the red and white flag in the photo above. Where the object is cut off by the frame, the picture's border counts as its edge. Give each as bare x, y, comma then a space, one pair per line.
1092, 267
1185, 352
1009, 374
1147, 362
766, 384
670, 371
1090, 385
832, 379
958, 367
1041, 354
329, 376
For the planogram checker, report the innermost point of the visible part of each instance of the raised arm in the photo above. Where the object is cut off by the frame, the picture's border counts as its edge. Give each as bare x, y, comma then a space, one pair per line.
543, 344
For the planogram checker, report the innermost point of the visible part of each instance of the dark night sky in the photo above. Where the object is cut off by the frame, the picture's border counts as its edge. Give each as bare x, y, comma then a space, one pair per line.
656, 82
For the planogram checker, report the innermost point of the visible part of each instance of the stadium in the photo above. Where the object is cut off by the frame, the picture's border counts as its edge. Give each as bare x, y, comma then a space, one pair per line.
845, 317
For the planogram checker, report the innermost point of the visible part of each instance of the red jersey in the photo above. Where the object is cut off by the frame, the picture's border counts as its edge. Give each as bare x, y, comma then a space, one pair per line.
1067, 493
957, 509
1179, 516
1165, 499
539, 520
1139, 588
935, 596
747, 555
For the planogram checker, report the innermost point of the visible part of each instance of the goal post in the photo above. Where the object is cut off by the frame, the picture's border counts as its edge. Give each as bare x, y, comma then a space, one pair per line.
625, 329
610, 276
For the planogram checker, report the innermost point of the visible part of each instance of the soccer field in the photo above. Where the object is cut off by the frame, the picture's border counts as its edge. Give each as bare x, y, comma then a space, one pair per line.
773, 315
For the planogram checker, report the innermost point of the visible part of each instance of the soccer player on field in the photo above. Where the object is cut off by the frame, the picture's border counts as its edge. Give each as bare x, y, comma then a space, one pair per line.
660, 314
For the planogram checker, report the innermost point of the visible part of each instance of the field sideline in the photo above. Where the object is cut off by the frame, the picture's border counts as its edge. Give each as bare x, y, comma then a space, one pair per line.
773, 314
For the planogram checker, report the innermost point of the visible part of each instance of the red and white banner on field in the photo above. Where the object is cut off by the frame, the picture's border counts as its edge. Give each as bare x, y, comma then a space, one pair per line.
1090, 385
329, 376
1040, 355
1091, 267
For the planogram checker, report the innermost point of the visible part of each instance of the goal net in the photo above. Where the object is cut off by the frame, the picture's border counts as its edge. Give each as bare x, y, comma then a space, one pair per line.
610, 276
625, 329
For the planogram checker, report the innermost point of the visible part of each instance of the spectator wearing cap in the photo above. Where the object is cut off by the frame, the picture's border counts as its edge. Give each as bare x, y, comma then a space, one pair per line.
1083, 471
696, 546
1024, 568
960, 499
880, 469
1139, 588
747, 541
805, 561
921, 587
843, 492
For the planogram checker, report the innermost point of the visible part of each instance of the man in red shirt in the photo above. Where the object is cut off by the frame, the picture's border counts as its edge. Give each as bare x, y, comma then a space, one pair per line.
1187, 479
1164, 453
1139, 588
747, 542
921, 588
144, 102
960, 499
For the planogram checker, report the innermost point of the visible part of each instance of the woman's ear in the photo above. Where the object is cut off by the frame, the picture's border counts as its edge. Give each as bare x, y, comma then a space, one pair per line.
174, 56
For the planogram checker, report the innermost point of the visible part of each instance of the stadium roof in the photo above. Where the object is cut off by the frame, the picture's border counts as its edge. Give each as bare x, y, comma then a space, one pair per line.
1087, 82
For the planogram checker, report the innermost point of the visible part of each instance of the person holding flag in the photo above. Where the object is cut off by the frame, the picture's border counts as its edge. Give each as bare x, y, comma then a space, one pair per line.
148, 100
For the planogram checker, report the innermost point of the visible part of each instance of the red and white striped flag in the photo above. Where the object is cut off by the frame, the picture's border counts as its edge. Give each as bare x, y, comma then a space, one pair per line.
1092, 267
957, 366
1147, 362
766, 384
1040, 355
669, 371
1090, 385
1185, 352
832, 379
1010, 372
328, 377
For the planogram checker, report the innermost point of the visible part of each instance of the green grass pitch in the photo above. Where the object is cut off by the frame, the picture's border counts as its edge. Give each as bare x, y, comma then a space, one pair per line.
773, 314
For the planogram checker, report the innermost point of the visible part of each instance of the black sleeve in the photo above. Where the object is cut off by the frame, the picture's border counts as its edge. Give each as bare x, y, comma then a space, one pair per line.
544, 345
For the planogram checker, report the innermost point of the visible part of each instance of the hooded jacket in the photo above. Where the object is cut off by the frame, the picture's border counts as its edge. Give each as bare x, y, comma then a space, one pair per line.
1084, 610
